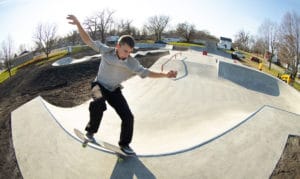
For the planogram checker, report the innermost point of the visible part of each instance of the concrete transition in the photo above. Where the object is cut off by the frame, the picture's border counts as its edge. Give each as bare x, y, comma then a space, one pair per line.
69, 60
217, 119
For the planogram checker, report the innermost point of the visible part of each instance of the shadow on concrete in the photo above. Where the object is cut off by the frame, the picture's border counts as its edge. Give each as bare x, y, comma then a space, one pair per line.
248, 78
131, 167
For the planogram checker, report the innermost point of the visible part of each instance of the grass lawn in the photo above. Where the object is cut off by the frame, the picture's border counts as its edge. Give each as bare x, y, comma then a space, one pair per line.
296, 85
5, 75
184, 44
40, 60
36, 60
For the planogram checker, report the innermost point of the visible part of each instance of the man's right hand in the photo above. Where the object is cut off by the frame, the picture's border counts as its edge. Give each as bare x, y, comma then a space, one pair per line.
73, 19
83, 34
172, 74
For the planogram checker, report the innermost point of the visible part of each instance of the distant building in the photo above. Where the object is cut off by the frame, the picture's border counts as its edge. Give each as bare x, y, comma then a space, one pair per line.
22, 58
224, 43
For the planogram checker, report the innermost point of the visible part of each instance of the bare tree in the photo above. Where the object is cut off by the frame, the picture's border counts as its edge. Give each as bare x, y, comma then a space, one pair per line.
22, 48
91, 24
7, 50
99, 24
157, 24
105, 21
205, 35
144, 33
269, 34
125, 27
45, 37
186, 30
114, 29
258, 46
242, 40
290, 40
73, 38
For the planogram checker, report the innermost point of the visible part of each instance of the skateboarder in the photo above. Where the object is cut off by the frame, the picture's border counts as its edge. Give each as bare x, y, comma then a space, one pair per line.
116, 66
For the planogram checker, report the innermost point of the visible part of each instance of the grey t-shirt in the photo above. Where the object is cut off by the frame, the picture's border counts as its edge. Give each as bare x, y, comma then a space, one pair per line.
113, 71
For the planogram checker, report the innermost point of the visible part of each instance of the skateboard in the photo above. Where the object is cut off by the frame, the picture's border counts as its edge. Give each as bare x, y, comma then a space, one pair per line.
101, 144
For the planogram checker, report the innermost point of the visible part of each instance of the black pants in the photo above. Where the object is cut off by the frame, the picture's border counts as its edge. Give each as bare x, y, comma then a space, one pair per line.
119, 103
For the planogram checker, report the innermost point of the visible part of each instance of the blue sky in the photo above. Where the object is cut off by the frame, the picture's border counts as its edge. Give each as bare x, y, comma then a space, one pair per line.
18, 18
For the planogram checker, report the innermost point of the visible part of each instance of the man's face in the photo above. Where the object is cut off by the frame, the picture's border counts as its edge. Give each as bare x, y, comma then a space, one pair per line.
123, 51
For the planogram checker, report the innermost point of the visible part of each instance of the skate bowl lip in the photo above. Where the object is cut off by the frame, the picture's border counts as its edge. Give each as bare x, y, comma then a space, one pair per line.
70, 61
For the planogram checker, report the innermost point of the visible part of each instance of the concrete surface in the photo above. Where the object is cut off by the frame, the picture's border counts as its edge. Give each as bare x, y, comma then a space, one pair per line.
69, 60
216, 119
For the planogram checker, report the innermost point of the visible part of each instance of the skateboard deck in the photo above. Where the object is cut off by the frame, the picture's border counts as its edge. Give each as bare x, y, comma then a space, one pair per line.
100, 144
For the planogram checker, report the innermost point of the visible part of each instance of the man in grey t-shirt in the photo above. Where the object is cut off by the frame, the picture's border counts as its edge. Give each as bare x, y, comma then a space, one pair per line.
116, 66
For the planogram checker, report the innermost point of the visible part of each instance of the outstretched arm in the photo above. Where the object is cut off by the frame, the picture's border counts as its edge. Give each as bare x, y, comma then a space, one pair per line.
83, 34
170, 74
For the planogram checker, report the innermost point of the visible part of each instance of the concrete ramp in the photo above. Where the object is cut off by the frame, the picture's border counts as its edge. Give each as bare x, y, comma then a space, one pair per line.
207, 123
249, 78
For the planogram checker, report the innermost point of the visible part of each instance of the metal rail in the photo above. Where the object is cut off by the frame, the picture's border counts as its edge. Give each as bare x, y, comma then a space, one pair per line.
173, 56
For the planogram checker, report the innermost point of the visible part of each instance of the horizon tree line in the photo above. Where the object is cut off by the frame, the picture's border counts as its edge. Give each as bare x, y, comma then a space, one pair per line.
284, 39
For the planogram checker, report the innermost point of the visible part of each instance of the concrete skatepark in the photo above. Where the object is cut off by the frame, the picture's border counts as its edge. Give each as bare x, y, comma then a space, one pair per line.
216, 119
